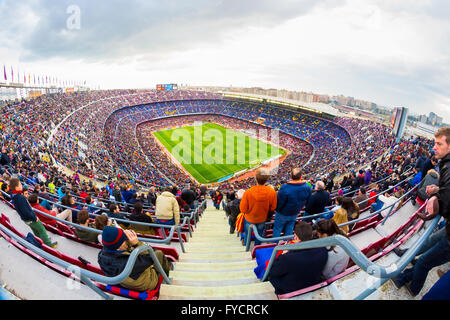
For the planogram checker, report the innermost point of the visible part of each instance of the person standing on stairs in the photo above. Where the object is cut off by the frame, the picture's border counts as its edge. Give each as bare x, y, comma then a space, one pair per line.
291, 198
217, 199
167, 210
232, 209
439, 203
257, 202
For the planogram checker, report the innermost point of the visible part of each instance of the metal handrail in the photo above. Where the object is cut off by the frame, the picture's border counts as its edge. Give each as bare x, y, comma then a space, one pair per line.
85, 204
78, 197
86, 275
373, 197
276, 239
317, 215
356, 255
166, 240
373, 183
99, 209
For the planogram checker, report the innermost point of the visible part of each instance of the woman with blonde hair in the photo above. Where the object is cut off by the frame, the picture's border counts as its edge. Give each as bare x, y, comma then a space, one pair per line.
340, 215
432, 178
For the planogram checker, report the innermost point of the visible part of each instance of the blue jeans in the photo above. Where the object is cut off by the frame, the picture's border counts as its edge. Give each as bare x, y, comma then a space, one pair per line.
432, 240
285, 223
440, 290
170, 222
259, 227
436, 256
376, 206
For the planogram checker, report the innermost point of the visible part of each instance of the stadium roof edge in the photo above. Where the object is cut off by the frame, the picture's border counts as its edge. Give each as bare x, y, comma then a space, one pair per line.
316, 107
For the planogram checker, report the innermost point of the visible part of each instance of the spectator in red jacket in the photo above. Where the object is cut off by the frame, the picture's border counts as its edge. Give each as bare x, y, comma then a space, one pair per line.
34, 202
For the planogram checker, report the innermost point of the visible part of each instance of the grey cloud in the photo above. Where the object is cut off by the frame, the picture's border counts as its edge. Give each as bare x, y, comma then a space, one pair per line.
114, 29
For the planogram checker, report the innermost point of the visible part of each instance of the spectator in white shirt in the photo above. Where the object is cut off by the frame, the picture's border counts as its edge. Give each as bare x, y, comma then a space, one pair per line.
337, 258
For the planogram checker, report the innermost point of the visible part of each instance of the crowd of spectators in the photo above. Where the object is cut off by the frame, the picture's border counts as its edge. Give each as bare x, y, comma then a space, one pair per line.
97, 135
298, 269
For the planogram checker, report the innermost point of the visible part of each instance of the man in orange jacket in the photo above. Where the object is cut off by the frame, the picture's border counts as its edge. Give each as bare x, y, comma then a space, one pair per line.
257, 202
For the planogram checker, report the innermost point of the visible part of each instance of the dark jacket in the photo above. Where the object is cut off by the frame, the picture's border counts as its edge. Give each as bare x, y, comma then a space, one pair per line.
117, 195
232, 208
359, 181
87, 235
127, 195
292, 197
297, 269
115, 215
444, 190
5, 160
217, 198
141, 217
427, 166
23, 208
188, 196
429, 179
151, 199
112, 263
420, 162
317, 202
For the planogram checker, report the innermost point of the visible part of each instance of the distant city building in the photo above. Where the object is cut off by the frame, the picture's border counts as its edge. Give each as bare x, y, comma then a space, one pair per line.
341, 102
433, 120
423, 119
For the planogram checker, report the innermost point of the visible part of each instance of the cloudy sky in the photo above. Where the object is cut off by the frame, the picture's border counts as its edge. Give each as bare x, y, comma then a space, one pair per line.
393, 53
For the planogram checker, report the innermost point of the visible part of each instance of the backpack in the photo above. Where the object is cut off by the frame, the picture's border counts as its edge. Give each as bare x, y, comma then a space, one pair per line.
240, 222
32, 239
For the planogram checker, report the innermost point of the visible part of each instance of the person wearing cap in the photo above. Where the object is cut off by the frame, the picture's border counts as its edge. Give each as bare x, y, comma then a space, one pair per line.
112, 259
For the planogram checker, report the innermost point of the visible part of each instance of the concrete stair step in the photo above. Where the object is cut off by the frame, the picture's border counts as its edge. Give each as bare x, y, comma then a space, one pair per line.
215, 240
213, 210
213, 226
214, 220
222, 234
253, 291
217, 244
214, 283
211, 276
213, 257
217, 249
215, 266
213, 236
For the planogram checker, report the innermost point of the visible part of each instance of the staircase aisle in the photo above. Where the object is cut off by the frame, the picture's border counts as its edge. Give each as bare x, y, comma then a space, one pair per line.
215, 266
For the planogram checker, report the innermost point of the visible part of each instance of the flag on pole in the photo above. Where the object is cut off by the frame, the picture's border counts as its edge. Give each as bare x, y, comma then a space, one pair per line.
4, 73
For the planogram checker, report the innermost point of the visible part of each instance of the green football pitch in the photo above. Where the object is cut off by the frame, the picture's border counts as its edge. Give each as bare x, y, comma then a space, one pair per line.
210, 152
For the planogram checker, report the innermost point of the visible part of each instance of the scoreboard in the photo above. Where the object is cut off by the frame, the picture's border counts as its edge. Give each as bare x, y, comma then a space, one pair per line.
399, 118
165, 87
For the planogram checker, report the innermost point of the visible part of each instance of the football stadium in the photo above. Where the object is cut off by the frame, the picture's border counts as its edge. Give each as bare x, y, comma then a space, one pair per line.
185, 193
